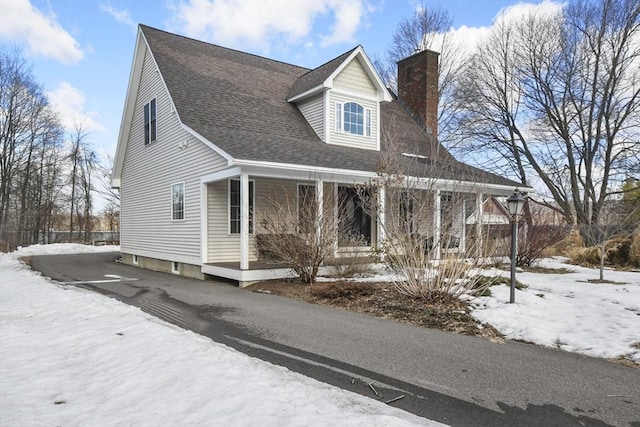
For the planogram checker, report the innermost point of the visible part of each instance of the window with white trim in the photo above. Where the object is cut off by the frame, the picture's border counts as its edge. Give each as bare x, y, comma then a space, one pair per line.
235, 203
353, 118
177, 201
150, 122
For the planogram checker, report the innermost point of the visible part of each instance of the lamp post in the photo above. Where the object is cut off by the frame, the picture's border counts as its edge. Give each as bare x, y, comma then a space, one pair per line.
515, 204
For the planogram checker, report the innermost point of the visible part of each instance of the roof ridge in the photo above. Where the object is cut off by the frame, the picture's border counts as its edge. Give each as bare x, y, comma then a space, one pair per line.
226, 48
333, 59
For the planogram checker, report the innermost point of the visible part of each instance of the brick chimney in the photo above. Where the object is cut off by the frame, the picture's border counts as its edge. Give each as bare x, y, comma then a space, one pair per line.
418, 87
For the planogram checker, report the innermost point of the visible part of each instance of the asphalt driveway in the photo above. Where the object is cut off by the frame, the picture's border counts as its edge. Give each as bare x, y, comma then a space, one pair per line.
454, 379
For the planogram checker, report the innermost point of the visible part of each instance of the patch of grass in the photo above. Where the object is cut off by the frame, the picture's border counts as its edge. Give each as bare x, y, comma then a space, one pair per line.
546, 270
488, 281
605, 281
338, 290
540, 295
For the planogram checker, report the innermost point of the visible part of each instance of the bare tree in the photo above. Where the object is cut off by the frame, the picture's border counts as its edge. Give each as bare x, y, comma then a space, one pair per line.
428, 28
106, 191
610, 238
81, 162
30, 135
558, 97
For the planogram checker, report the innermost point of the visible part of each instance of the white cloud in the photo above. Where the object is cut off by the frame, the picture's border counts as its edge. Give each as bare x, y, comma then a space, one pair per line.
121, 16
348, 16
43, 35
518, 11
463, 41
261, 24
69, 102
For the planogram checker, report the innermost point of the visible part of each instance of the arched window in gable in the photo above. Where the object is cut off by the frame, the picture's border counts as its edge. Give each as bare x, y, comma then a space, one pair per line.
353, 118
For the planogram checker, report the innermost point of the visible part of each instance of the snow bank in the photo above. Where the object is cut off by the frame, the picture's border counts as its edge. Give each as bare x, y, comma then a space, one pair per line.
63, 248
567, 312
71, 357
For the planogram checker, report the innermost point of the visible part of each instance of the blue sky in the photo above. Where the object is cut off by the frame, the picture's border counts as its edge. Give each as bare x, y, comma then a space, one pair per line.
81, 50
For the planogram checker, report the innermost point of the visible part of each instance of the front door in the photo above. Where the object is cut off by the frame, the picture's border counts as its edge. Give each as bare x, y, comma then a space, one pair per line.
355, 221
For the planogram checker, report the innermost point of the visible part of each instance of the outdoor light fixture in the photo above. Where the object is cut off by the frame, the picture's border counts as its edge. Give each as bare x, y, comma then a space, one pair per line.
515, 204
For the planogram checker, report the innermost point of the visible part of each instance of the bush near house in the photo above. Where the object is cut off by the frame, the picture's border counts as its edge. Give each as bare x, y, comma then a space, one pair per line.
538, 239
620, 251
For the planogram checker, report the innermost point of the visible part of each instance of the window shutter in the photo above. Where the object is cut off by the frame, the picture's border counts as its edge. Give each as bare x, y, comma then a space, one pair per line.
368, 123
146, 124
338, 117
152, 123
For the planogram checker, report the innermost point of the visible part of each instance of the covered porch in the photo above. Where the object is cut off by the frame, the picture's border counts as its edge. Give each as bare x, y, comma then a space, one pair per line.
236, 201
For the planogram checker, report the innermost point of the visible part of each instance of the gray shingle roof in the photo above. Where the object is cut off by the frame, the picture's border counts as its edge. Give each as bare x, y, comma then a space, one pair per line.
238, 102
315, 77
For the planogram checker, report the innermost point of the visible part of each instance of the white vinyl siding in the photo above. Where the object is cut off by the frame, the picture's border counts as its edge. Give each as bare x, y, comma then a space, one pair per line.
312, 110
148, 173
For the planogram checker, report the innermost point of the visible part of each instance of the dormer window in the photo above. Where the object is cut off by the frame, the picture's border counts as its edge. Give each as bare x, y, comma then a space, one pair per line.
353, 118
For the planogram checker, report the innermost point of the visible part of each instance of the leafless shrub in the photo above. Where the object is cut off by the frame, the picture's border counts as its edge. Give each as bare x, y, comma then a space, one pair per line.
294, 230
425, 241
538, 239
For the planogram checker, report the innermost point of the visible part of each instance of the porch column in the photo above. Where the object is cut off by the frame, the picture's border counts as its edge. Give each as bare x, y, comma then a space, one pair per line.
244, 221
437, 224
204, 223
463, 234
479, 215
382, 200
320, 207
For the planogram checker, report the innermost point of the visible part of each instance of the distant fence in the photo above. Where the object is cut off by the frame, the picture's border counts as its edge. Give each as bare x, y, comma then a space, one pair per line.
95, 237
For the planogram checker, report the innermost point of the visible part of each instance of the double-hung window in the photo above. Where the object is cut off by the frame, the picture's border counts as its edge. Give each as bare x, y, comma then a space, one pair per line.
177, 201
150, 122
235, 205
353, 118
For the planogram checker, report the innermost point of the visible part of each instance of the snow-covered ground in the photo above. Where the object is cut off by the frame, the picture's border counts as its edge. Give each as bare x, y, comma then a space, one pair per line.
72, 357
567, 311
76, 358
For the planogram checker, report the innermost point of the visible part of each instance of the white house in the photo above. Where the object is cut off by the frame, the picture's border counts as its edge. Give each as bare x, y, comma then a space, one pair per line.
208, 134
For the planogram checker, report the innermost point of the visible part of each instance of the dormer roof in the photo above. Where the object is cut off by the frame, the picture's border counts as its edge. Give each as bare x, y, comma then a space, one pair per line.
321, 78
